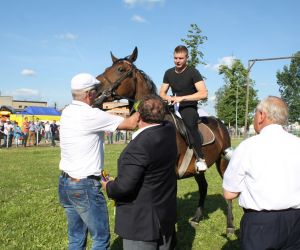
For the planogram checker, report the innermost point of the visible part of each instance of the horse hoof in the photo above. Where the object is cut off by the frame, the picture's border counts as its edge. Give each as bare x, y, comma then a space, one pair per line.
230, 231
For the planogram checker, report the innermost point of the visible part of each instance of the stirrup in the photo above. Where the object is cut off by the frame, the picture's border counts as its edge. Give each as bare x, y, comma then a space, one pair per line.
200, 165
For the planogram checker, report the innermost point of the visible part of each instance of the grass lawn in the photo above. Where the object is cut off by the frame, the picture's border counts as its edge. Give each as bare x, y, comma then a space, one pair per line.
31, 217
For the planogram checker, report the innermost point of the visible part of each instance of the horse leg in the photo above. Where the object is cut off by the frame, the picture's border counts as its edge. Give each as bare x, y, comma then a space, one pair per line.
202, 187
230, 226
221, 167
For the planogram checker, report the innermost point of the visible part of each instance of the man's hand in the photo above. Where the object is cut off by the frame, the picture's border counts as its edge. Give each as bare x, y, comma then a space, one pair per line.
104, 183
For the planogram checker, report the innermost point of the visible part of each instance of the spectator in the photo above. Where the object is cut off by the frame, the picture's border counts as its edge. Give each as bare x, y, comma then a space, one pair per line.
25, 130
47, 132
81, 143
54, 132
31, 134
264, 173
17, 134
109, 136
1, 131
145, 188
8, 134
119, 136
39, 130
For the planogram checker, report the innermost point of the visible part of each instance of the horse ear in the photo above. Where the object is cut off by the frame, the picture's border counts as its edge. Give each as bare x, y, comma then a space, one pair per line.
134, 55
113, 58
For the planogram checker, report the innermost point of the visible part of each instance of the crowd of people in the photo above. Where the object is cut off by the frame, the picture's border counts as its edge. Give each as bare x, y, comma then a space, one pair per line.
29, 133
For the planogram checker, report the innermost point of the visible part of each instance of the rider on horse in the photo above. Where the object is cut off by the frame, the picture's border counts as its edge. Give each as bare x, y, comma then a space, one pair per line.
188, 88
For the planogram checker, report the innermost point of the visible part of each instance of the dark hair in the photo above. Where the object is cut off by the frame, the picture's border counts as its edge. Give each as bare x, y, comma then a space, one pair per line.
152, 109
181, 48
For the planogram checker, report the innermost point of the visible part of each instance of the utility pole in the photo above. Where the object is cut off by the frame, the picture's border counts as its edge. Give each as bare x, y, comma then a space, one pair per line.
251, 62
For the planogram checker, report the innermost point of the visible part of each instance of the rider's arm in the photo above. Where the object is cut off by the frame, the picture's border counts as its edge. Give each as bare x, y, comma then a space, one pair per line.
163, 92
197, 96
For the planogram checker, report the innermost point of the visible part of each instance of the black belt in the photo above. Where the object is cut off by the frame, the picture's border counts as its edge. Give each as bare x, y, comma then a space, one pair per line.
248, 210
94, 177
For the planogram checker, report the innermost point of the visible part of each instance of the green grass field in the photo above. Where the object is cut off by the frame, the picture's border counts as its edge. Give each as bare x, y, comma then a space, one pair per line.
31, 217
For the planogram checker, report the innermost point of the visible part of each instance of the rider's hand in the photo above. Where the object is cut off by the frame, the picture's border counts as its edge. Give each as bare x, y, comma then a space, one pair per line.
169, 99
177, 99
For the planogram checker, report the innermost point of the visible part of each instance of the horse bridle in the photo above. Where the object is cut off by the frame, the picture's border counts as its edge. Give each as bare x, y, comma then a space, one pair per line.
111, 91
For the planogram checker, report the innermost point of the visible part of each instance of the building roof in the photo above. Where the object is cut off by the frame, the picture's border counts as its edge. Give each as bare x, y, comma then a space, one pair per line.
40, 111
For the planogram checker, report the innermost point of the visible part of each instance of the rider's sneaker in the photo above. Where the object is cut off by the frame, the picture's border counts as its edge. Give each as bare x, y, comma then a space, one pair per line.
200, 165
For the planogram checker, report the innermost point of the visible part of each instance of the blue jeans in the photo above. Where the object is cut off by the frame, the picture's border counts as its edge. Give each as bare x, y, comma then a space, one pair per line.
86, 211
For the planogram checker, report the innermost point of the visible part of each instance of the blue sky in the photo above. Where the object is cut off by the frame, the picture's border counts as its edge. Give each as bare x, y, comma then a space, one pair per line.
45, 43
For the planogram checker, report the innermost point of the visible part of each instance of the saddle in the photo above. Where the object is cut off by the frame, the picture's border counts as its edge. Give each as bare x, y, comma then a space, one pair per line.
208, 136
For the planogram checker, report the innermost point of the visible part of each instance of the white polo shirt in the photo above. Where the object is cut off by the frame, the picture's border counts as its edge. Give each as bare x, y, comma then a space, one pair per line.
265, 169
81, 138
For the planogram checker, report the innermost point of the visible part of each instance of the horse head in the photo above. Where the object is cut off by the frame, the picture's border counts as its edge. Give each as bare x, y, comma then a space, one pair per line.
119, 80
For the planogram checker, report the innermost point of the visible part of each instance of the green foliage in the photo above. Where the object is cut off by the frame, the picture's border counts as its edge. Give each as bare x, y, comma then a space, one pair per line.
31, 217
231, 97
289, 87
194, 39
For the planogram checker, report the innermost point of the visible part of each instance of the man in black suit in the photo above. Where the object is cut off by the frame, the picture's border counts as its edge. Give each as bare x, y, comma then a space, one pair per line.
145, 188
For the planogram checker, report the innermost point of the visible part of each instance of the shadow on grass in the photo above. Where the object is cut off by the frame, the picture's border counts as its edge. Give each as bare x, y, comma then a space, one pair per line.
232, 244
186, 207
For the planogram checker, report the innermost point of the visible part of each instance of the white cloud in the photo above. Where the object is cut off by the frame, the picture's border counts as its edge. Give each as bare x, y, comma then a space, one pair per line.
226, 60
138, 19
133, 3
28, 72
67, 36
23, 92
130, 3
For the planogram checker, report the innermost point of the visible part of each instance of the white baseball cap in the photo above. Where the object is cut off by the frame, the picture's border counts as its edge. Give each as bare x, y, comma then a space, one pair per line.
83, 81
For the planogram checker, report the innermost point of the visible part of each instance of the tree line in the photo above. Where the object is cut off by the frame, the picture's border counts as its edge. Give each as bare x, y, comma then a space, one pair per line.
230, 104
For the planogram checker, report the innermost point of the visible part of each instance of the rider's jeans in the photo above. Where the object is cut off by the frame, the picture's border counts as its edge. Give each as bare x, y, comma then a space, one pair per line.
86, 211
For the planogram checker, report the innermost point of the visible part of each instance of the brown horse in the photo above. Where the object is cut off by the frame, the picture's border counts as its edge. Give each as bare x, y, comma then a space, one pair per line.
123, 80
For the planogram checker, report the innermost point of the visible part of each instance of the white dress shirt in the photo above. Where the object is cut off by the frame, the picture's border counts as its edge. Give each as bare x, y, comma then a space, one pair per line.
81, 138
265, 169
136, 133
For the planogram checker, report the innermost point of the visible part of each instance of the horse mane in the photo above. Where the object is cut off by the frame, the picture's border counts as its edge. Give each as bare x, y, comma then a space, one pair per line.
150, 84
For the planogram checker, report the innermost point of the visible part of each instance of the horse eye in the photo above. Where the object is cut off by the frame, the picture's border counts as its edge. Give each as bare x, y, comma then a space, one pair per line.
120, 69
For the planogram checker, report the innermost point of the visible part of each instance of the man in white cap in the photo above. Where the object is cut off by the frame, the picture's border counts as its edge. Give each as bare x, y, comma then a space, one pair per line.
81, 142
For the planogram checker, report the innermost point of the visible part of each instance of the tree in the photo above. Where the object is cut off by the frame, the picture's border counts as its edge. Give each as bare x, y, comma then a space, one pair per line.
194, 39
289, 87
231, 98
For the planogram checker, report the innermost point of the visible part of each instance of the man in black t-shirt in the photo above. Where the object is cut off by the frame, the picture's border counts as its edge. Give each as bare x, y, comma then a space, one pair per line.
188, 88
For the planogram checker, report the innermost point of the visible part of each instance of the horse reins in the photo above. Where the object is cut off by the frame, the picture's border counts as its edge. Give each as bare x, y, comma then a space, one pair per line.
111, 91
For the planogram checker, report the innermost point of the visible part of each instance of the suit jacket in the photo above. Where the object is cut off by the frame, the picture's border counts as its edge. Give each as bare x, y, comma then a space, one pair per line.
146, 185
